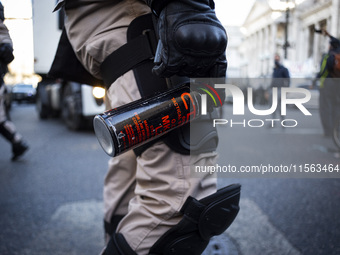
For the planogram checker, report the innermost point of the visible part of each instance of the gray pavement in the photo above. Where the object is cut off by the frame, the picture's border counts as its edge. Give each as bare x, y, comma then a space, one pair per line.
283, 213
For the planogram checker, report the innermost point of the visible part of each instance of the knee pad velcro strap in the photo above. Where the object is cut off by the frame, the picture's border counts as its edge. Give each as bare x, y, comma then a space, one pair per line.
202, 220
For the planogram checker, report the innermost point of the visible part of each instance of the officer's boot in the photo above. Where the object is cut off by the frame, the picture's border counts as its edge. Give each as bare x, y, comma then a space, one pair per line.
202, 219
18, 148
8, 130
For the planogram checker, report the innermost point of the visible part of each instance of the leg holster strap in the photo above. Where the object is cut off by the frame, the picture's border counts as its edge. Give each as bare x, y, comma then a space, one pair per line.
202, 220
142, 41
118, 246
110, 227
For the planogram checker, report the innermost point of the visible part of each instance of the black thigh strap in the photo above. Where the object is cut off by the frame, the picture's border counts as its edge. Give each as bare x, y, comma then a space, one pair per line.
143, 47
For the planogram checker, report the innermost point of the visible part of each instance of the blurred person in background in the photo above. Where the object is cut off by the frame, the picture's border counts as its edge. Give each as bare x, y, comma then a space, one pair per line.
7, 128
329, 99
280, 79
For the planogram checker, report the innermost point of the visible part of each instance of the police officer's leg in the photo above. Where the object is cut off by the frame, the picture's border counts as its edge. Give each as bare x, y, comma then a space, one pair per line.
92, 51
120, 180
92, 42
163, 184
8, 130
164, 216
119, 188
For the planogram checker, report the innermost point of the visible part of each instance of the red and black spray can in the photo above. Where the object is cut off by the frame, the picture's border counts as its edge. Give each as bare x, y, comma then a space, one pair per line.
134, 124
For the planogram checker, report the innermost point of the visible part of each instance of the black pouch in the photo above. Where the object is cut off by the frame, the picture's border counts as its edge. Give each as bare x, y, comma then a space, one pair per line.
66, 65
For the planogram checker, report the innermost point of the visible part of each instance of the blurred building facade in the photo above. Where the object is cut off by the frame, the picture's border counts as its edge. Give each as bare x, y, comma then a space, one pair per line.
251, 48
273, 24
33, 50
19, 24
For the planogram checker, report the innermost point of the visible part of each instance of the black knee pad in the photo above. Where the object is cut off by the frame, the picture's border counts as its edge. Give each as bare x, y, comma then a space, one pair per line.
202, 220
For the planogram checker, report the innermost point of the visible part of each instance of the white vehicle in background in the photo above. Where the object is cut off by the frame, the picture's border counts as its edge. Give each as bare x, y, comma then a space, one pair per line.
76, 103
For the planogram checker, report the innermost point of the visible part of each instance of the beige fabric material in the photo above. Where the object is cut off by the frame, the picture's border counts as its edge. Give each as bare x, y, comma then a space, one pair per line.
99, 28
152, 188
163, 183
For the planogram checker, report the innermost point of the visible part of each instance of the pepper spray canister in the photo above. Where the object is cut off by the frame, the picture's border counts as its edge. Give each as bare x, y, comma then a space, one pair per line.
134, 124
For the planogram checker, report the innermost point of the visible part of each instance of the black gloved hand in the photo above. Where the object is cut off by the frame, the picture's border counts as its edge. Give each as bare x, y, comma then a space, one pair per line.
192, 40
6, 53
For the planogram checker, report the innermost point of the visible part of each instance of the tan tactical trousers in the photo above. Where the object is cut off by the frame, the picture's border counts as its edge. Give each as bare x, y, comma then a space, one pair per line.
152, 188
